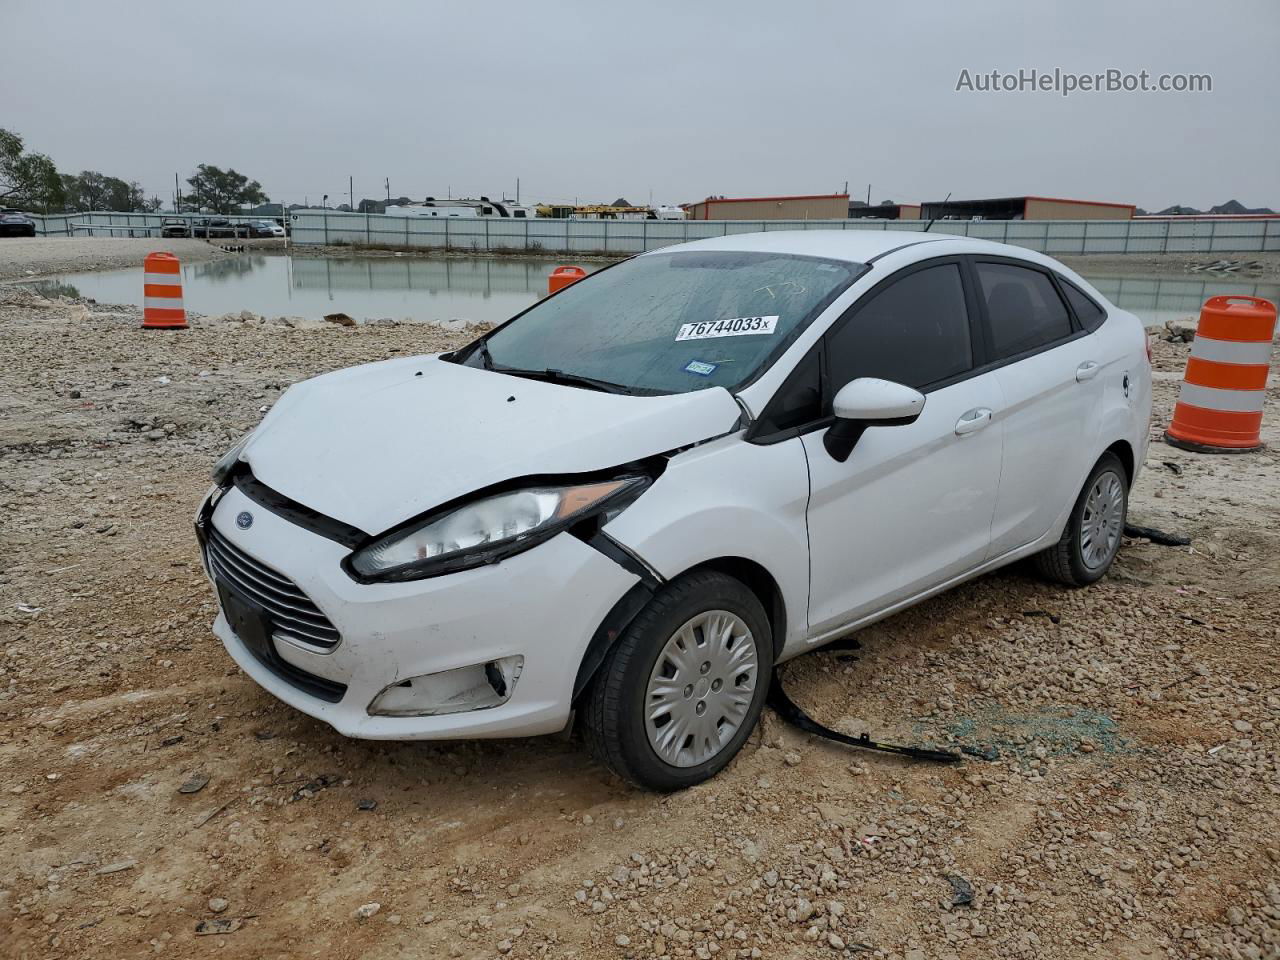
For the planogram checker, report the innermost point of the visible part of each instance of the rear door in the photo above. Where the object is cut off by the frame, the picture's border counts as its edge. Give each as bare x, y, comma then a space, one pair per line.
1046, 365
912, 506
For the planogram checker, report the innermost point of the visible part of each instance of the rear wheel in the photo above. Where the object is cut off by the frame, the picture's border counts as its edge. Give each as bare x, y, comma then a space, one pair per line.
1091, 540
683, 687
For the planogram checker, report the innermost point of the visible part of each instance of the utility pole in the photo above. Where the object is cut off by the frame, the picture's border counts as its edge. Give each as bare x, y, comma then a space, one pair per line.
517, 189
177, 195
868, 194
351, 192
387, 182
846, 188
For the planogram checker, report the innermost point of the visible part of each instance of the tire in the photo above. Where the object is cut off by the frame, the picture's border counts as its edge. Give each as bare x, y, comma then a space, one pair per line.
615, 725
1078, 562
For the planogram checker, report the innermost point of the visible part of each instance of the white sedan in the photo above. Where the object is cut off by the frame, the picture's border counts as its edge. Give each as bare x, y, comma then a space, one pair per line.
634, 499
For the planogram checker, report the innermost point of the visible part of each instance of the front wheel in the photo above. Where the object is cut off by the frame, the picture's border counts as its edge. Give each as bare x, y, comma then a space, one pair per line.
1091, 539
683, 687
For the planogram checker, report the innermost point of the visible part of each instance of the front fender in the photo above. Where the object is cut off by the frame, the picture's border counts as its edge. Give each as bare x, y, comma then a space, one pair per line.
729, 499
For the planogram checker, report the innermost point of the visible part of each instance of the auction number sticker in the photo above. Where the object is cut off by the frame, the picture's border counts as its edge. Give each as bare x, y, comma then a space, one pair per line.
733, 327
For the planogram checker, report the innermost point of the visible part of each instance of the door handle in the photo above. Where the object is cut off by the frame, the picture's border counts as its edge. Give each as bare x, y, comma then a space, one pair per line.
973, 420
1087, 370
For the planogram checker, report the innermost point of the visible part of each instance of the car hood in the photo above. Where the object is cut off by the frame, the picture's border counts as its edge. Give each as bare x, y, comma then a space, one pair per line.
377, 444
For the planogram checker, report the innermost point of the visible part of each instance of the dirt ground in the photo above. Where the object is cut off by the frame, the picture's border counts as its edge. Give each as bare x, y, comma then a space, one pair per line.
154, 801
21, 258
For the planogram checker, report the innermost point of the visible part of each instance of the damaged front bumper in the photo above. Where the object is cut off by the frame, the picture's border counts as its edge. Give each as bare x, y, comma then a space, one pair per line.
522, 626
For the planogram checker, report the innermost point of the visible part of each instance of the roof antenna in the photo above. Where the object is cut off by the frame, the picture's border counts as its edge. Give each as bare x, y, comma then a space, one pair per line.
935, 219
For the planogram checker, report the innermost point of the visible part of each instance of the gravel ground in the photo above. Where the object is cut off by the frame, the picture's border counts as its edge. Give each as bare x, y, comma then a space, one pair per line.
151, 794
22, 257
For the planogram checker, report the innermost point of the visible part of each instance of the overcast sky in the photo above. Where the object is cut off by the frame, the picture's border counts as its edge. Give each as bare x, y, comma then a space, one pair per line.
596, 100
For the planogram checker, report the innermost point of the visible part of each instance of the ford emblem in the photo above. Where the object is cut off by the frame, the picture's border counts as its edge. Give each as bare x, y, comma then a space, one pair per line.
244, 519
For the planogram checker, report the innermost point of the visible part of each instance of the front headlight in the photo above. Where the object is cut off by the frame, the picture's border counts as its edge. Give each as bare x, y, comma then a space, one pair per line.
489, 530
221, 471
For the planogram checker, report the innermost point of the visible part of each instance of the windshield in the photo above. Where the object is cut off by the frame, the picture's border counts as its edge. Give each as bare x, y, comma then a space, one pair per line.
671, 323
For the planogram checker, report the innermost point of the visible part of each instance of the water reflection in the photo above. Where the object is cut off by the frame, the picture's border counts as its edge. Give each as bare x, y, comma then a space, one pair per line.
490, 290
1158, 299
484, 277
216, 271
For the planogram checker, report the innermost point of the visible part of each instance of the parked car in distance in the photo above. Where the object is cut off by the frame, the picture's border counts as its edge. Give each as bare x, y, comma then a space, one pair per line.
211, 227
638, 496
15, 223
264, 228
175, 227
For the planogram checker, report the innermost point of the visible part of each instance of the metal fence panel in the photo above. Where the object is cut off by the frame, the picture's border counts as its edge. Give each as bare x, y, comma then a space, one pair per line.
625, 237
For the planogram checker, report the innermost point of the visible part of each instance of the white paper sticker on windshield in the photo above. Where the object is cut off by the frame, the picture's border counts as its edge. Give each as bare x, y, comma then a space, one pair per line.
733, 327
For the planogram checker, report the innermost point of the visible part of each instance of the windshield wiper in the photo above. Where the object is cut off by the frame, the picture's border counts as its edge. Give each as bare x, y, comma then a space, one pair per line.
551, 375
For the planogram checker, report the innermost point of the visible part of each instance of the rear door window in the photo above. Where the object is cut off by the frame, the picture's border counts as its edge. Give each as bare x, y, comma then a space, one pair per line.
914, 332
1024, 310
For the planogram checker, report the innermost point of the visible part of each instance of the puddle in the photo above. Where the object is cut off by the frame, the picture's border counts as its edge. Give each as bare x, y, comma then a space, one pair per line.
482, 290
490, 290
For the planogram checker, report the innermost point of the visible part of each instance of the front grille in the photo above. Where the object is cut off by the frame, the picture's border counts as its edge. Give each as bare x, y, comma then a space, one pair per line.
291, 611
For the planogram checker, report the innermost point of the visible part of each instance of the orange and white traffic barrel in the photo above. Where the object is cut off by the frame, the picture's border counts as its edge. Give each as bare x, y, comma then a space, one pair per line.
1219, 408
562, 277
162, 293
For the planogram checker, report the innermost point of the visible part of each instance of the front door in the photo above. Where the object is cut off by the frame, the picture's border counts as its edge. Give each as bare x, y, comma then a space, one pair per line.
912, 506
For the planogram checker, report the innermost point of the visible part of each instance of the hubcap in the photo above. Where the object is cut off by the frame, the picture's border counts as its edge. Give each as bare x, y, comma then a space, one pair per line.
700, 688
1102, 521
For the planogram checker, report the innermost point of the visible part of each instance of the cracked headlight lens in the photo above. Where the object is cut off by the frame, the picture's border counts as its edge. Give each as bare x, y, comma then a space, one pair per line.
489, 529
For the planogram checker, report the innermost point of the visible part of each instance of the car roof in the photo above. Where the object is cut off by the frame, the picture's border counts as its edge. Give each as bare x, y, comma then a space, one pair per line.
898, 248
856, 246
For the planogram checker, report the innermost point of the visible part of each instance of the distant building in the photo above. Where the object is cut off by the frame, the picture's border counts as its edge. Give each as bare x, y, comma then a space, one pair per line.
884, 211
823, 206
1025, 208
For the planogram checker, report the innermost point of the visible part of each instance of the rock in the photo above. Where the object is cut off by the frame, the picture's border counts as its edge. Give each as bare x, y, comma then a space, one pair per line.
791, 759
622, 940
1183, 330
834, 941
341, 319
194, 783
218, 904
1242, 726
505, 946
367, 910
961, 890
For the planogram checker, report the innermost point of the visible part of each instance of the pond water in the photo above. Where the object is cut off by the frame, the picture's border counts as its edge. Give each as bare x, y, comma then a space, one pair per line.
483, 290
489, 290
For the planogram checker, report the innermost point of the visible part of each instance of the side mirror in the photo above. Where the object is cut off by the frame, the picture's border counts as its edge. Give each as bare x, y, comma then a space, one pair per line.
869, 402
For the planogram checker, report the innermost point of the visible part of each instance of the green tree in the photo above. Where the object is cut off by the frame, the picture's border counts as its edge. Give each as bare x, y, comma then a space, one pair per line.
27, 179
222, 191
91, 190
86, 190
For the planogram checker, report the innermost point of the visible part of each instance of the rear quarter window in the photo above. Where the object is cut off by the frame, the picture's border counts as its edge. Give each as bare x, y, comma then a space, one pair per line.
1086, 310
